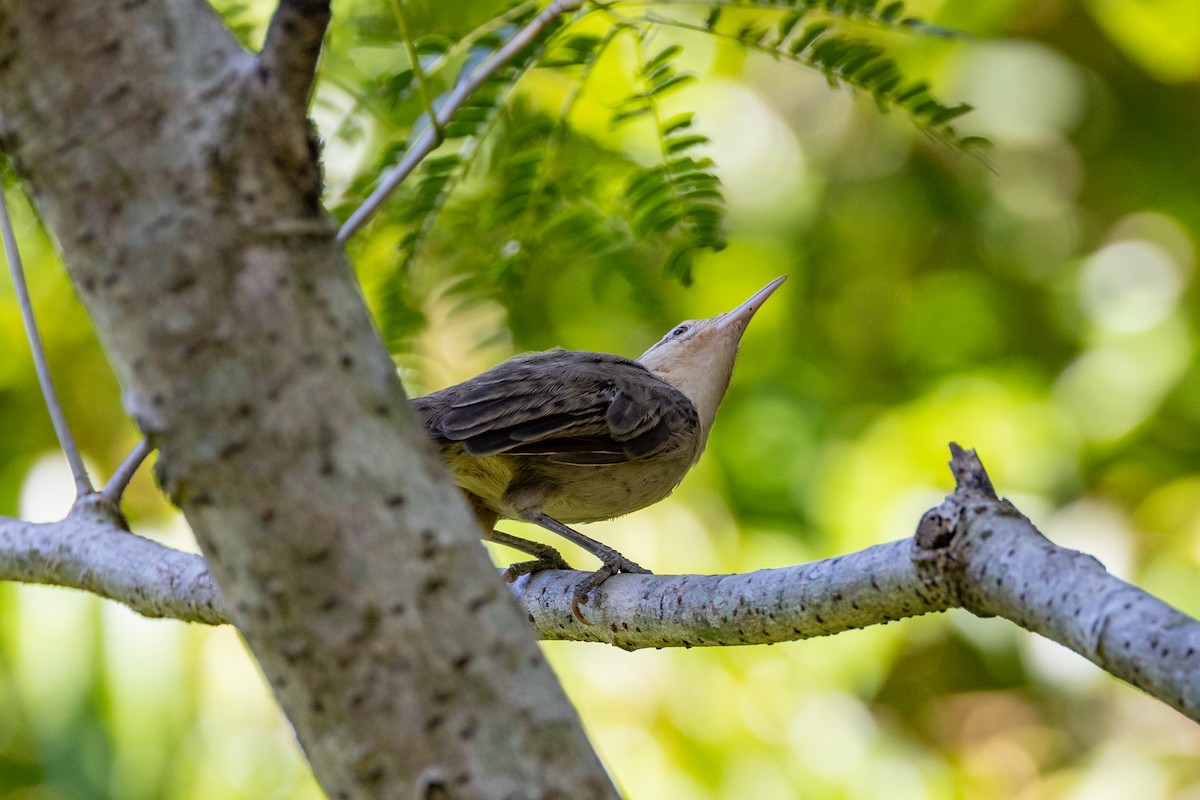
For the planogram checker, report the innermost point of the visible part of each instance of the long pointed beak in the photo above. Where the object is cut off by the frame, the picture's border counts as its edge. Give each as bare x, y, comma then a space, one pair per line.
740, 317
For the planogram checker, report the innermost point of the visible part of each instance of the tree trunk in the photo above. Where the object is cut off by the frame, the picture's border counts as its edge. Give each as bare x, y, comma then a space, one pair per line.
180, 178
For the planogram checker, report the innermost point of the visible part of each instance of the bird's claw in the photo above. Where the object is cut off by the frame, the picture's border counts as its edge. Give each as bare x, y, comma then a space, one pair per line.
580, 596
539, 564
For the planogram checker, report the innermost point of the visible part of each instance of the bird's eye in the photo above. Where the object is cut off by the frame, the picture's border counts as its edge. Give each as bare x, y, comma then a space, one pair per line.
679, 331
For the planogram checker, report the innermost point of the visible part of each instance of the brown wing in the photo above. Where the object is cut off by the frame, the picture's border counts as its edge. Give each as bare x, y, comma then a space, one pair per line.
569, 406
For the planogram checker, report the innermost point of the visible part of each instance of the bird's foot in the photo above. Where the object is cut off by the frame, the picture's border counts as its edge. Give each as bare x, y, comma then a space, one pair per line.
547, 560
611, 567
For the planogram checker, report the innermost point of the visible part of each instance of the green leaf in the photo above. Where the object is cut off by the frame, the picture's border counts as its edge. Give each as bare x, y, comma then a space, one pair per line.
681, 143
663, 56
677, 123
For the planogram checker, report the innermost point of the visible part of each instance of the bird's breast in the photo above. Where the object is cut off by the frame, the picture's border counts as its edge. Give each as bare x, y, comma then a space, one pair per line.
591, 494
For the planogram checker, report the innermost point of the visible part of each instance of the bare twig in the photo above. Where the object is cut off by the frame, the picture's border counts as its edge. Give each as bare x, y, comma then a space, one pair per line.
120, 479
428, 139
293, 46
402, 21
83, 484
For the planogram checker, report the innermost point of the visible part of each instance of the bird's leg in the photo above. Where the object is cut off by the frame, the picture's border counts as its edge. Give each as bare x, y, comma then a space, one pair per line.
613, 562
547, 557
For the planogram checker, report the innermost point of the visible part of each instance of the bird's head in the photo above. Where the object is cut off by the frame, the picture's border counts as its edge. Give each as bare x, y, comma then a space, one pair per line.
697, 356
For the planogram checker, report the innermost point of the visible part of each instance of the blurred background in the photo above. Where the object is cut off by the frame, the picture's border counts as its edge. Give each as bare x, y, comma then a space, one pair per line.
1037, 302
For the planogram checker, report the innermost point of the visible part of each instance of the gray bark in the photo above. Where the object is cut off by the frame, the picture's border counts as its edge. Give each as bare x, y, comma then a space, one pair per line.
179, 176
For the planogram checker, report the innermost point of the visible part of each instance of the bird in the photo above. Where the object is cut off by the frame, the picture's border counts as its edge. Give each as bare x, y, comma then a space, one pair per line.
568, 436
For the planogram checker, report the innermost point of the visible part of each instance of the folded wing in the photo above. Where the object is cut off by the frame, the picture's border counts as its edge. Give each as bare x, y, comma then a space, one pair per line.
571, 407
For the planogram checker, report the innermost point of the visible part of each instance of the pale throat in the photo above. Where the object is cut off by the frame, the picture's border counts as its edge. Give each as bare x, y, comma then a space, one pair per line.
702, 376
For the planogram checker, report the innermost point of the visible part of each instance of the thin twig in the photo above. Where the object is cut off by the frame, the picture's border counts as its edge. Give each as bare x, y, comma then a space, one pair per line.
405, 25
83, 484
454, 101
120, 479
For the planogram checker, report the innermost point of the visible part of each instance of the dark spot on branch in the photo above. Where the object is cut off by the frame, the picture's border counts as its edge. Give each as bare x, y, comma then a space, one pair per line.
231, 449
317, 556
181, 283
429, 549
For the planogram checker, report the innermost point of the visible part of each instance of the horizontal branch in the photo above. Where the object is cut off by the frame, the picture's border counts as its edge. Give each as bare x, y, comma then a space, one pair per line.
974, 551
90, 550
871, 587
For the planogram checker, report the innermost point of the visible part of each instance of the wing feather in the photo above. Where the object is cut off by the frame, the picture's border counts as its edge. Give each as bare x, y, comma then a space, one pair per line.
570, 407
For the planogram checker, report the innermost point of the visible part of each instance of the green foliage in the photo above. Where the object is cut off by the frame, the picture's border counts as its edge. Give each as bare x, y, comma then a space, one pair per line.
843, 60
679, 198
669, 210
244, 21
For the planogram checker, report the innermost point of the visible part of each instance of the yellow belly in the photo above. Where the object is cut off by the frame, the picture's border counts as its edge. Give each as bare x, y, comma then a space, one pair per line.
513, 485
